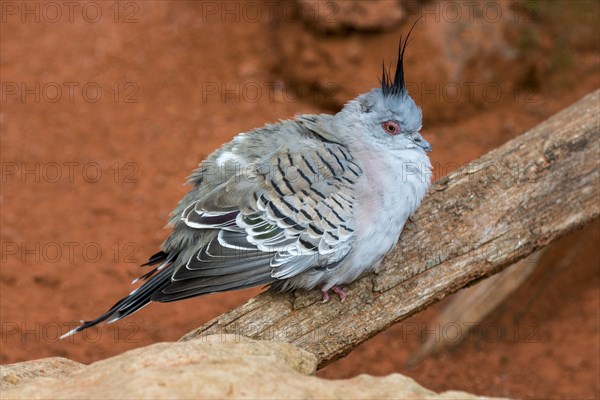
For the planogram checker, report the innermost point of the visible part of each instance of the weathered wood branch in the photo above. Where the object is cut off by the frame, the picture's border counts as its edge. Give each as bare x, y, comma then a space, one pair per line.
476, 221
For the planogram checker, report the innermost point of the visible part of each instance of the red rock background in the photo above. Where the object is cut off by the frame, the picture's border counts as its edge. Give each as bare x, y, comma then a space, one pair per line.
106, 108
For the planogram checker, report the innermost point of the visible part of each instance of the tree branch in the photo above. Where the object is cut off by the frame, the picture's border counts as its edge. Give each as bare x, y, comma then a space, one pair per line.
476, 221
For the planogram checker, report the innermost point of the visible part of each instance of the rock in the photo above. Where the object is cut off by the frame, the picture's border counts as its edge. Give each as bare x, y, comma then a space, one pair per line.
19, 373
339, 16
460, 59
219, 366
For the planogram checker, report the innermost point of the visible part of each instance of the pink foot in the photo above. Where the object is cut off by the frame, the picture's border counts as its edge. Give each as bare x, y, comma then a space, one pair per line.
337, 290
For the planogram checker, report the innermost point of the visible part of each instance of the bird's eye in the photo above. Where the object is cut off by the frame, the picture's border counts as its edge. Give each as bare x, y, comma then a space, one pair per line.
391, 127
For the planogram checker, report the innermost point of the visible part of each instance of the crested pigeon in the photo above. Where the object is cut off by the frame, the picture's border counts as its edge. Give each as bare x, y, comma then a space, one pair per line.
311, 202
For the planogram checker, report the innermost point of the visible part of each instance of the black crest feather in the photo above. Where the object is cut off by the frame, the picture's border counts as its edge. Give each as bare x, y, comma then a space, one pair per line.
398, 85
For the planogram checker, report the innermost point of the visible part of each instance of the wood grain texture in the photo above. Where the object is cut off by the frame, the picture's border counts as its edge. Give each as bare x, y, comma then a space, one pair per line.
474, 222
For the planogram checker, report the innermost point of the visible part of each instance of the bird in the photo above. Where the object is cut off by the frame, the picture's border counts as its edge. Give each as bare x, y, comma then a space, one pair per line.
304, 203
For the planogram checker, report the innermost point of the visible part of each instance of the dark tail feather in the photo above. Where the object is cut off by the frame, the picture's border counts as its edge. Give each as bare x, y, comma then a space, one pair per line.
137, 299
157, 258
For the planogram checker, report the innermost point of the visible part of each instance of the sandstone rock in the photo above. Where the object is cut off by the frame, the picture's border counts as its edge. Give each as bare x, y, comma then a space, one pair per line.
219, 366
19, 373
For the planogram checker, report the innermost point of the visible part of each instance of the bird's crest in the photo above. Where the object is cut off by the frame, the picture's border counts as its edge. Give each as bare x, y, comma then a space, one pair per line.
396, 87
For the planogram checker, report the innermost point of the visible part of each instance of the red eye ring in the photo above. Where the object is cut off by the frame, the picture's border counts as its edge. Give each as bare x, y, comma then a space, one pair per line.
391, 127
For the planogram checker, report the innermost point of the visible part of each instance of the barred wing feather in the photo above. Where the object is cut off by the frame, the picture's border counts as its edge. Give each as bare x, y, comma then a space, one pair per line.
292, 212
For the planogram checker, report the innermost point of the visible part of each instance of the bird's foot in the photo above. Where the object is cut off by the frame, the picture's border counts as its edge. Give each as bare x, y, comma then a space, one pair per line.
337, 290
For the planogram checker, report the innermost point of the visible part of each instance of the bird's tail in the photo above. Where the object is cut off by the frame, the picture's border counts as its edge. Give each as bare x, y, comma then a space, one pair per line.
157, 279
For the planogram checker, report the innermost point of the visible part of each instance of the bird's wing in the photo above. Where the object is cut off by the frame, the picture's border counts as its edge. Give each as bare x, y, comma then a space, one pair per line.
280, 214
272, 220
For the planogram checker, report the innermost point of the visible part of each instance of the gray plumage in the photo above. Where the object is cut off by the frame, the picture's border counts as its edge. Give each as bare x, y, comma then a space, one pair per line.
303, 203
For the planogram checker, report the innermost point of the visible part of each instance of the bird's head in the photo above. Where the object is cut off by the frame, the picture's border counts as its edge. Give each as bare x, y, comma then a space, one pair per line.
388, 115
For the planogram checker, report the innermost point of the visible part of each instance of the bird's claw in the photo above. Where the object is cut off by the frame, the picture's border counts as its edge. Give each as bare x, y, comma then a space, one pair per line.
342, 295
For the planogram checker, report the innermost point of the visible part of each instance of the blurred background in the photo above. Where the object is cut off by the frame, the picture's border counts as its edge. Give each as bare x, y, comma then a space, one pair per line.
107, 106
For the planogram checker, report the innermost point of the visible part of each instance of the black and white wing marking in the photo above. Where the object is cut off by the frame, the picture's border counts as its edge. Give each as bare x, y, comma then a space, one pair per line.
291, 213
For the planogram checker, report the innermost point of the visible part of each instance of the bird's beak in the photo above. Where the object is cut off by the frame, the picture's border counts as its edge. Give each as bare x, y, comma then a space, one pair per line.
422, 143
